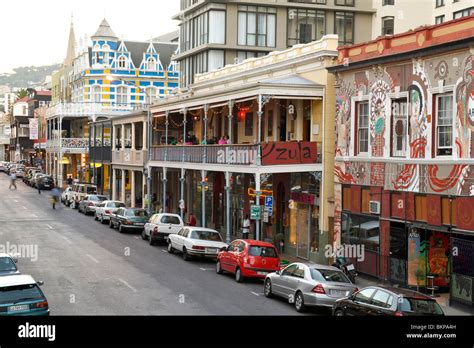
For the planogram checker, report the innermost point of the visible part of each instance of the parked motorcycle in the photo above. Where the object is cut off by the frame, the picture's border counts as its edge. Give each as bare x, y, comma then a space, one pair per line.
347, 267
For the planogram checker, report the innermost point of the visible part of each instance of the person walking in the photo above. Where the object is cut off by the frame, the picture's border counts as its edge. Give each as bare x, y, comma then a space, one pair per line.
192, 220
13, 181
246, 227
55, 194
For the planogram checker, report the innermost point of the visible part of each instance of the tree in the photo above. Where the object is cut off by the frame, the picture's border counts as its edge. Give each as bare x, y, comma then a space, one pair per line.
21, 93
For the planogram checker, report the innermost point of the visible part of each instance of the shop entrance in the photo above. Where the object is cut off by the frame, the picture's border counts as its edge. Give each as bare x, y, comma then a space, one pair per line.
303, 224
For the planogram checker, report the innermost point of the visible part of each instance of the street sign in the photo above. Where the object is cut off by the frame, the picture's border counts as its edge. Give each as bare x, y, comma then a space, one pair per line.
266, 216
269, 202
255, 212
270, 211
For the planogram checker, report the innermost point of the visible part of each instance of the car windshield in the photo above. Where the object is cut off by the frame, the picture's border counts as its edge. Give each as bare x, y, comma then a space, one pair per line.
19, 293
7, 264
137, 213
328, 275
91, 189
116, 205
262, 251
206, 235
97, 198
419, 306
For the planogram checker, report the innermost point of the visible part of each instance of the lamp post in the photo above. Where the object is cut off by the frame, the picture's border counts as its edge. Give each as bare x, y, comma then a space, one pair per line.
150, 134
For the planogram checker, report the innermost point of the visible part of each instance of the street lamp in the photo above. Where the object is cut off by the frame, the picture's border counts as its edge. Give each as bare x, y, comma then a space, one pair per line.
150, 134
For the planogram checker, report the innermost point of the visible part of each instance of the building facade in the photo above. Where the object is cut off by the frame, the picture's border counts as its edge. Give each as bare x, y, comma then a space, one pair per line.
251, 139
109, 78
404, 160
217, 33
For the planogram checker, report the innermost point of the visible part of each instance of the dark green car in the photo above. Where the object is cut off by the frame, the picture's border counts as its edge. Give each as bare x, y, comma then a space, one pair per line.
129, 219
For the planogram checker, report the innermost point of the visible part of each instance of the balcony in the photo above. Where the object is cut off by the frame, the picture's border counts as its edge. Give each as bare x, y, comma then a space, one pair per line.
130, 157
278, 153
92, 110
69, 145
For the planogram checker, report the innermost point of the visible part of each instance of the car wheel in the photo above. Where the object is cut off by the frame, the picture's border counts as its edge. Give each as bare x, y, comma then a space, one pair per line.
151, 241
170, 248
267, 288
299, 302
111, 224
339, 313
218, 268
186, 256
143, 234
239, 278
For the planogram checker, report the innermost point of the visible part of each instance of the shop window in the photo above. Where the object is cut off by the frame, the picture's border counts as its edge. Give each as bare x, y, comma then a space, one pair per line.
365, 201
346, 198
421, 210
361, 230
448, 217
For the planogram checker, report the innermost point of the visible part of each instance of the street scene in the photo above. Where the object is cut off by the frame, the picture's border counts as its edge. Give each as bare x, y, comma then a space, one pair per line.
260, 158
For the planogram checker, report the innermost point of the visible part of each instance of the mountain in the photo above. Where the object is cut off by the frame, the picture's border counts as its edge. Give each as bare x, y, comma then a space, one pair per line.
28, 76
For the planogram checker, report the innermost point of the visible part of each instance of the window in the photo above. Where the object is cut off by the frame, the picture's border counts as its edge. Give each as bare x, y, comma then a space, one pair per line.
382, 299
421, 209
305, 25
399, 127
328, 275
364, 295
249, 124
151, 64
288, 271
439, 3
216, 59
218, 27
388, 2
96, 94
363, 128
122, 95
262, 251
257, 26
243, 55
345, 2
319, 2
122, 62
346, 198
344, 27
463, 13
150, 95
299, 272
444, 126
387, 25
365, 194
439, 19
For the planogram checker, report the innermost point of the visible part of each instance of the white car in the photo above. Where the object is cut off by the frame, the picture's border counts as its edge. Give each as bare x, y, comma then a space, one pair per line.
196, 241
8, 265
161, 226
105, 209
66, 196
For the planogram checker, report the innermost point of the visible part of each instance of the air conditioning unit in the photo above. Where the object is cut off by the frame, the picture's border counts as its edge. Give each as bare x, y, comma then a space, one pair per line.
374, 207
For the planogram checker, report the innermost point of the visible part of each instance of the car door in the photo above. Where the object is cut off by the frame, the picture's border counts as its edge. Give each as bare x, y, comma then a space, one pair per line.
359, 304
381, 303
234, 255
179, 239
149, 225
280, 282
176, 223
225, 259
293, 281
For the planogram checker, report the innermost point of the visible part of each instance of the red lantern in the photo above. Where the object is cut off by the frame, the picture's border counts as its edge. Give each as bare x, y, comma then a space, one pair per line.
242, 113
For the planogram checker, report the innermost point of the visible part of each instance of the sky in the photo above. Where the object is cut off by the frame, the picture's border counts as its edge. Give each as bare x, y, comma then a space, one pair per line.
36, 32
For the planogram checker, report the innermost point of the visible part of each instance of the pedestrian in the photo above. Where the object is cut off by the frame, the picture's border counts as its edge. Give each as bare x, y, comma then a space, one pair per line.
13, 180
55, 194
227, 140
222, 141
69, 180
192, 220
38, 185
246, 227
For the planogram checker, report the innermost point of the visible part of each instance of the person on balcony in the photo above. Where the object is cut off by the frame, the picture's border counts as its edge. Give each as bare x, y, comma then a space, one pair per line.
222, 140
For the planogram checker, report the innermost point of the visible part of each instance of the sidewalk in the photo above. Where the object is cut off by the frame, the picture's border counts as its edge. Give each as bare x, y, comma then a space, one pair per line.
363, 281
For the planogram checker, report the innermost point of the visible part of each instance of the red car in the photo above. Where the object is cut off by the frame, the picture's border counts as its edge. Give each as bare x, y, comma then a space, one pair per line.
248, 259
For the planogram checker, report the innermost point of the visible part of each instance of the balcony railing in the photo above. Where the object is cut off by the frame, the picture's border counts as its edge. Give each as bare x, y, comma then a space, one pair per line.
74, 145
129, 157
281, 153
90, 109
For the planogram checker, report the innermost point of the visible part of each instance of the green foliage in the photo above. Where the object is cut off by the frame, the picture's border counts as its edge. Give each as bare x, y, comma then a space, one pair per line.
27, 76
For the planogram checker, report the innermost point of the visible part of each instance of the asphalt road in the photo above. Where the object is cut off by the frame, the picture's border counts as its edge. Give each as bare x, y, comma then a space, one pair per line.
89, 269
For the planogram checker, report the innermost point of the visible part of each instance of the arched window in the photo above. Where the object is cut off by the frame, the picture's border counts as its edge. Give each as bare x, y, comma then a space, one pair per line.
122, 95
150, 95
106, 50
96, 94
122, 62
151, 64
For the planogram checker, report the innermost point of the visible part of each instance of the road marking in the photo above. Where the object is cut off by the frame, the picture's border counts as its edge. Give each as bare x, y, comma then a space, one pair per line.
48, 226
127, 285
206, 269
92, 258
136, 237
67, 240
164, 251
25, 208
254, 293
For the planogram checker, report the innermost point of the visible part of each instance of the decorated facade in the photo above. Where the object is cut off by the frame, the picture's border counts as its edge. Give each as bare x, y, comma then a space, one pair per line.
405, 154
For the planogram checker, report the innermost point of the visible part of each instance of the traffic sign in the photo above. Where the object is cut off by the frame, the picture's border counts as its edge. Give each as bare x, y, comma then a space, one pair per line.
269, 202
255, 212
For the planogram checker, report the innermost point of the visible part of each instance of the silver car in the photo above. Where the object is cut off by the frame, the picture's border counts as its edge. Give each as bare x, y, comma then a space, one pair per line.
309, 285
105, 209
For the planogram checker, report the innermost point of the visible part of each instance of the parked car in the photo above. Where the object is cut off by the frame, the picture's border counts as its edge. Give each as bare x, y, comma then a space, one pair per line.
8, 265
35, 179
160, 226
309, 285
90, 202
248, 259
196, 241
387, 301
29, 174
80, 191
129, 219
21, 295
45, 183
3, 167
20, 172
66, 196
105, 209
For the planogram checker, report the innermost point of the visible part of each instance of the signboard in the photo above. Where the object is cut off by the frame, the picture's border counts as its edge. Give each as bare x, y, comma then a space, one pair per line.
269, 202
266, 216
33, 128
7, 131
255, 212
289, 153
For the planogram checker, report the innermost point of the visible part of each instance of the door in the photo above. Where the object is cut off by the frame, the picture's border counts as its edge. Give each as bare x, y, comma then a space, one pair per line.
280, 283
303, 223
226, 255
282, 125
295, 279
360, 305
